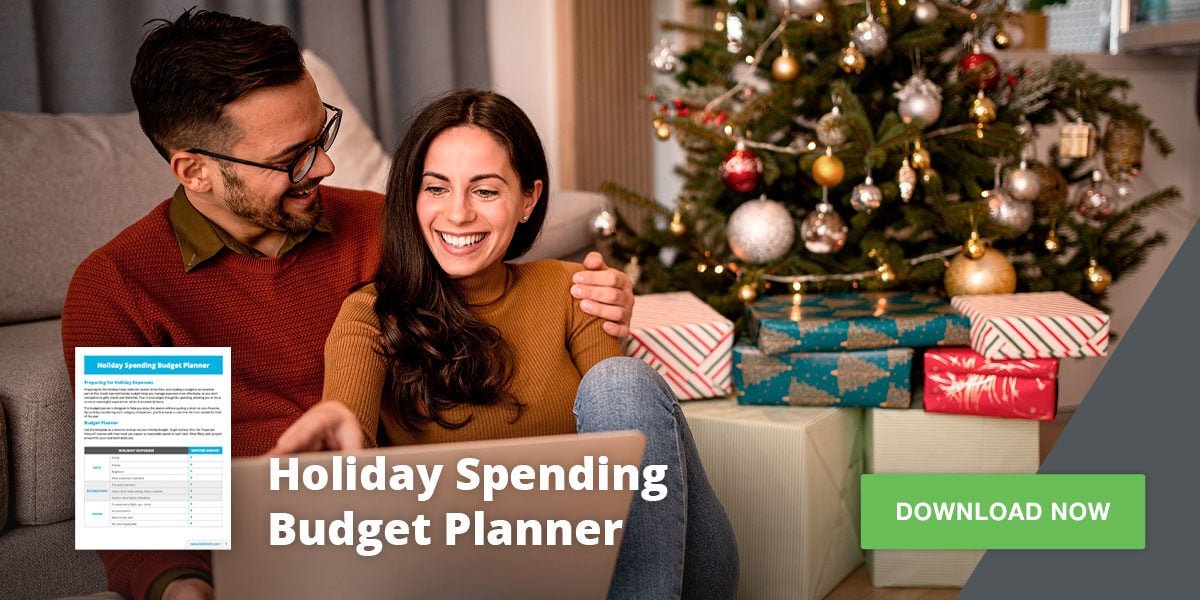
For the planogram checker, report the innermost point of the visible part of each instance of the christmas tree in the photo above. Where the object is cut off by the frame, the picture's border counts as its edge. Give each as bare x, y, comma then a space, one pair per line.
837, 146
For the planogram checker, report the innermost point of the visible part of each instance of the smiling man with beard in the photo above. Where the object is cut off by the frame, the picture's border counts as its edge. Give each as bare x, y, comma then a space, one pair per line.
250, 252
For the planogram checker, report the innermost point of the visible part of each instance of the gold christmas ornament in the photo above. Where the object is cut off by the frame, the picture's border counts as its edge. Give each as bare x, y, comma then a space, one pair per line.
920, 157
884, 271
677, 226
1052, 245
828, 171
983, 110
748, 292
1052, 187
1098, 277
661, 130
1123, 142
851, 60
991, 273
1001, 39
974, 247
786, 67
1077, 140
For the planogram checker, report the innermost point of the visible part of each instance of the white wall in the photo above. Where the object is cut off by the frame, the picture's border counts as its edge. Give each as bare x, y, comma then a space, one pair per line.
521, 42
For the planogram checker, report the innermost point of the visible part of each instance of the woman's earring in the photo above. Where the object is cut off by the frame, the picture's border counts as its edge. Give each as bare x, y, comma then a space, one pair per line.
524, 218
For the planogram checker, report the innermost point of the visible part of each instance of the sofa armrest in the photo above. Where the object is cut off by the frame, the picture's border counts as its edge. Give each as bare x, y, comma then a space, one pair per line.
5, 492
565, 233
40, 421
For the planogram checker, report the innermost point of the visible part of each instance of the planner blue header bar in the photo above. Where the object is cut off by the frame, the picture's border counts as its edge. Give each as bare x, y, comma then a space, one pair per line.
160, 365
204, 450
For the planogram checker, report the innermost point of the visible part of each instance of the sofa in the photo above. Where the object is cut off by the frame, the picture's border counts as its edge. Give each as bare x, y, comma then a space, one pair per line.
70, 183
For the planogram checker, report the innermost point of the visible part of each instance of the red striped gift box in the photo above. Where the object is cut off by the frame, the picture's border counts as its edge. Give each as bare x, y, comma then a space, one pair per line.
1033, 325
686, 341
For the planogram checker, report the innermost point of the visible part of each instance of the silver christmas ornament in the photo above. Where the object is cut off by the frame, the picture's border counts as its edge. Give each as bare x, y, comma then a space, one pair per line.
869, 36
1014, 215
823, 230
603, 223
798, 8
760, 231
925, 12
1124, 189
920, 100
1095, 201
866, 196
1022, 183
667, 256
829, 130
663, 58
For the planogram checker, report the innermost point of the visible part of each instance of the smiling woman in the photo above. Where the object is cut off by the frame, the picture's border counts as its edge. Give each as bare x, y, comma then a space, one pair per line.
454, 343
470, 201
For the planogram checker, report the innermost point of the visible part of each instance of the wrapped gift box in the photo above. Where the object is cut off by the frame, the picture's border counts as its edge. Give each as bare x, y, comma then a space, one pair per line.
915, 441
962, 381
1034, 325
685, 340
839, 322
875, 378
789, 480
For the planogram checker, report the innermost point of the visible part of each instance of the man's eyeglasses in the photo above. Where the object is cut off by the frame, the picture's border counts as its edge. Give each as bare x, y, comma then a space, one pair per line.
298, 169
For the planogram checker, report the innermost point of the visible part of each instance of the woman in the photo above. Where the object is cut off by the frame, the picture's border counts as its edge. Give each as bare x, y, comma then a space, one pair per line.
460, 345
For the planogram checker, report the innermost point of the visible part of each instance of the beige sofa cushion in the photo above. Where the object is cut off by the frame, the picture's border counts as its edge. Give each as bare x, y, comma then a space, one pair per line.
360, 161
71, 182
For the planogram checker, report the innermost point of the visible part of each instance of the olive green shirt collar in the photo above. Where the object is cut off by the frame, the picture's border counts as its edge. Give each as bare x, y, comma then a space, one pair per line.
200, 239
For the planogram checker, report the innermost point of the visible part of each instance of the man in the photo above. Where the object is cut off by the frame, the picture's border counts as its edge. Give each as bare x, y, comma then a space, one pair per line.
249, 253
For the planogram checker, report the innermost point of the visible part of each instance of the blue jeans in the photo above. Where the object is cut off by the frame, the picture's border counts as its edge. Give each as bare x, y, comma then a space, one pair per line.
681, 546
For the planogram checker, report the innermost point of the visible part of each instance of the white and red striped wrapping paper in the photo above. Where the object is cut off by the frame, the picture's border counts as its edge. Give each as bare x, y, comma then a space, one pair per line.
686, 341
1033, 325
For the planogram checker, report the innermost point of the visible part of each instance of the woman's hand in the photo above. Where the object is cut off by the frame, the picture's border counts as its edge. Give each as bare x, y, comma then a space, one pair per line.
326, 426
606, 293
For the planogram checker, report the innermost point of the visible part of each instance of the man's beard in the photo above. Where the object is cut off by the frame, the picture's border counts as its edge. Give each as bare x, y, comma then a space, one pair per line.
274, 217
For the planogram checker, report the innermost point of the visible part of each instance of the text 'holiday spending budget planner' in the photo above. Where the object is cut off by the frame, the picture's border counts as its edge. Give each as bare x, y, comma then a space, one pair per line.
152, 448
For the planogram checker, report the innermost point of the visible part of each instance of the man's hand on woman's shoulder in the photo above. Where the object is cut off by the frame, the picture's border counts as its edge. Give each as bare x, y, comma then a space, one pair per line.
606, 293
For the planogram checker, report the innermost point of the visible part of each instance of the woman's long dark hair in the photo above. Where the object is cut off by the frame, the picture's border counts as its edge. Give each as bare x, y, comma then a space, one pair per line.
439, 354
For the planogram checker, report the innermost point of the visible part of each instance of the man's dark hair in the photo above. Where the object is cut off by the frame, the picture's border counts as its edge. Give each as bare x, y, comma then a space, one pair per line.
188, 70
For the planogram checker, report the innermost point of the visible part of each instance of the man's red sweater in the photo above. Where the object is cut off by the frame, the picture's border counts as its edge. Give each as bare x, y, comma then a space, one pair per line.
274, 313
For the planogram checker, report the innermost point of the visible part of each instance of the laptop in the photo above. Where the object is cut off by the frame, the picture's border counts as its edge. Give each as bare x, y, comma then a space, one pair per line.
539, 542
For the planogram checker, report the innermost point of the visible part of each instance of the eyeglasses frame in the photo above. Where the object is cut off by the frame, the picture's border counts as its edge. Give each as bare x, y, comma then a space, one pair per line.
290, 169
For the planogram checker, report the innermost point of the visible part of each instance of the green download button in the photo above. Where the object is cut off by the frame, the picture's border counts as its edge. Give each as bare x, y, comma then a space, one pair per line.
1014, 512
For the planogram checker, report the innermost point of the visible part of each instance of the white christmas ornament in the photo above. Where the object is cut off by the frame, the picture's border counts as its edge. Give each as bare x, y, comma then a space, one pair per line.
663, 58
760, 231
920, 100
925, 12
869, 36
823, 230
